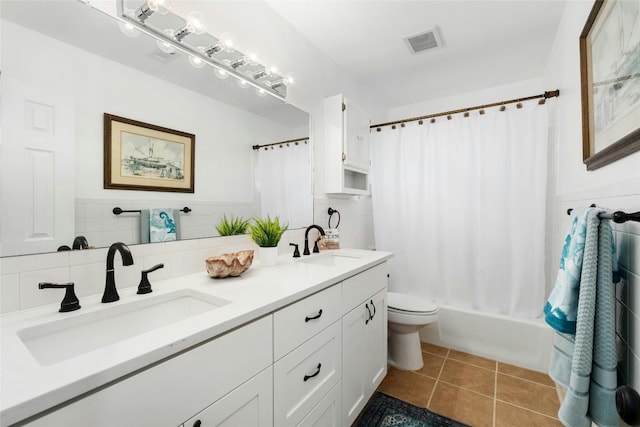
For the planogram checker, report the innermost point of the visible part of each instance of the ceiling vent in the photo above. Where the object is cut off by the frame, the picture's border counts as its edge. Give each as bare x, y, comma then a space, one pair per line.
424, 40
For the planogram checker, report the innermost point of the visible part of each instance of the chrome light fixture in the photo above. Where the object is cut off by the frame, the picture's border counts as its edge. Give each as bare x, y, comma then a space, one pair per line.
149, 7
222, 55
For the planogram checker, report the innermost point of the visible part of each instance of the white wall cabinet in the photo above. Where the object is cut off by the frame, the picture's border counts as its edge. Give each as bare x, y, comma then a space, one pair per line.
347, 159
364, 341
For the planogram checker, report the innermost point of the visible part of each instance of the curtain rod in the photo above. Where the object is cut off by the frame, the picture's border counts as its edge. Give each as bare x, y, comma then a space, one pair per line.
543, 96
257, 147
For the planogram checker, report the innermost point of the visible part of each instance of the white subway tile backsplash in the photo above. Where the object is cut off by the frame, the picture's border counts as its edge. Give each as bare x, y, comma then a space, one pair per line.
10, 292
161, 274
89, 279
95, 221
20, 264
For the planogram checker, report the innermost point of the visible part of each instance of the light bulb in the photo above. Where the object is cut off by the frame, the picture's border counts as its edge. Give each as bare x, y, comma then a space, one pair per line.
161, 6
261, 92
242, 83
221, 73
165, 46
127, 28
289, 79
228, 42
251, 56
195, 61
195, 23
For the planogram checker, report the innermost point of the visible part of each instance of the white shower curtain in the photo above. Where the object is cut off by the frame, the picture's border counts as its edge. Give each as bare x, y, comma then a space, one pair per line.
461, 203
284, 184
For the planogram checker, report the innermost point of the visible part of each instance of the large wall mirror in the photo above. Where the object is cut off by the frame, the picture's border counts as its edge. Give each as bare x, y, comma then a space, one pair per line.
66, 64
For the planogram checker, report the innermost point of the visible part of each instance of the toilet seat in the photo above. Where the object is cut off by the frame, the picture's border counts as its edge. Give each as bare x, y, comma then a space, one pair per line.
410, 305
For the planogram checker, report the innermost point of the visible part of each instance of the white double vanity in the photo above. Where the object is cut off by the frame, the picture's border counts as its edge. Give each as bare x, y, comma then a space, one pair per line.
298, 344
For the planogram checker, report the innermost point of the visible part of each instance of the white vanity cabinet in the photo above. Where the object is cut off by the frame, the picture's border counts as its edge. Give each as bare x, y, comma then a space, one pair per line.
308, 356
364, 339
347, 156
250, 405
314, 362
174, 390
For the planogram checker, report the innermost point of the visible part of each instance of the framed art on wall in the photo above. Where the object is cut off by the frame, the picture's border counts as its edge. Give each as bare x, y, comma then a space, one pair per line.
610, 82
142, 156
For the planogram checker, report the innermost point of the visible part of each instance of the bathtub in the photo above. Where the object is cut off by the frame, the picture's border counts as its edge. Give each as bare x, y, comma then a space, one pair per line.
526, 343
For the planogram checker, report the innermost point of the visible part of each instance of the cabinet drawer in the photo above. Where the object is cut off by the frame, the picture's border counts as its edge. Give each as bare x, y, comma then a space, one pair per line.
327, 413
172, 391
356, 289
297, 323
303, 377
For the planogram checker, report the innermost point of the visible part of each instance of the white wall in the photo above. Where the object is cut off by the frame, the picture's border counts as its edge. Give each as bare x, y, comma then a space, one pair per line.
224, 134
318, 77
224, 162
615, 186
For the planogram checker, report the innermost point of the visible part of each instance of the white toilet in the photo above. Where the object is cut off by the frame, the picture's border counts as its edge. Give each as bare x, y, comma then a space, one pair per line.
407, 315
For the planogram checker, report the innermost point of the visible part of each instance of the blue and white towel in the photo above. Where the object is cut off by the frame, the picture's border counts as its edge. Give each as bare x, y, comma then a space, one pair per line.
562, 307
585, 361
162, 227
159, 225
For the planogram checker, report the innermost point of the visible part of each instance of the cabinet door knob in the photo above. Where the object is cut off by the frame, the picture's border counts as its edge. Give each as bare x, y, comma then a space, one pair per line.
197, 423
344, 157
369, 316
317, 316
374, 309
315, 374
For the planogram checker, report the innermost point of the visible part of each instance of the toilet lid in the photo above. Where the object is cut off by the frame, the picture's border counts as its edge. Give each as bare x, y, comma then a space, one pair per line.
410, 303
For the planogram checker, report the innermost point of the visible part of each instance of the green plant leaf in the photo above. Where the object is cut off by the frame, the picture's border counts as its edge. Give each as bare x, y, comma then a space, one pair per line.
232, 226
267, 232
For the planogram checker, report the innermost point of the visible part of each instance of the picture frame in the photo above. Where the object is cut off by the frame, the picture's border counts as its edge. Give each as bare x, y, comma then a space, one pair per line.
610, 83
146, 157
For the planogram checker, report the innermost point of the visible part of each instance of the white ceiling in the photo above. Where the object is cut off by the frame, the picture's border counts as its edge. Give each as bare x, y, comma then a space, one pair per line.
485, 43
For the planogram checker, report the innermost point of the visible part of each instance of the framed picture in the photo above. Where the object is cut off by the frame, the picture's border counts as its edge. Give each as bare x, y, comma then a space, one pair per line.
142, 156
610, 82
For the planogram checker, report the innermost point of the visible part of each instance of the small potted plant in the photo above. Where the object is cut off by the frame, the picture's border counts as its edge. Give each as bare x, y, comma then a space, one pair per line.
232, 226
266, 233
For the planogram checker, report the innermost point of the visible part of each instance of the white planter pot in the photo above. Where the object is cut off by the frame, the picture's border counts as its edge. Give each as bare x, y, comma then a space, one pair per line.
268, 256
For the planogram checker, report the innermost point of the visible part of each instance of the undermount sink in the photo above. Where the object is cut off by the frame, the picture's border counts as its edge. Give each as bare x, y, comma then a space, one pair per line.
63, 339
331, 259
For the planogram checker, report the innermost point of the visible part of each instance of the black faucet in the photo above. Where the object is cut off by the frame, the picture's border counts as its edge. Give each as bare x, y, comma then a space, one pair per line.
144, 287
70, 301
110, 292
80, 242
306, 240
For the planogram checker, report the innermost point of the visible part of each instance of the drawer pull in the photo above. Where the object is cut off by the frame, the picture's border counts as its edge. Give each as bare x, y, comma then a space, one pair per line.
315, 374
369, 316
317, 316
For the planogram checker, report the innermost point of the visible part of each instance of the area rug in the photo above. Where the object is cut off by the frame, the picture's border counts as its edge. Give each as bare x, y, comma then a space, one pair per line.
386, 411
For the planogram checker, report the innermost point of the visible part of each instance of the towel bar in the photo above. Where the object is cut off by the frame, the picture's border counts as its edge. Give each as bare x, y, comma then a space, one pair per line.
118, 211
617, 216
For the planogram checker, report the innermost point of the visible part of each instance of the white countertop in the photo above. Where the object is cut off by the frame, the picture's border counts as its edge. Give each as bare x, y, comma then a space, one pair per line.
28, 388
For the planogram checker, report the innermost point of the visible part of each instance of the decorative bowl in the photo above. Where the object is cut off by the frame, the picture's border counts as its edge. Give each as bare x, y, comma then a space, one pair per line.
231, 264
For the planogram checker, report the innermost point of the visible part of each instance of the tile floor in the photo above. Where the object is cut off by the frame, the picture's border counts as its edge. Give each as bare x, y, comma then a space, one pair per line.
475, 390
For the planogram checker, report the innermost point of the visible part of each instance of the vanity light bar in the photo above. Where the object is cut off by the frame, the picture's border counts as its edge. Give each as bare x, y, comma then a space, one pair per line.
188, 50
